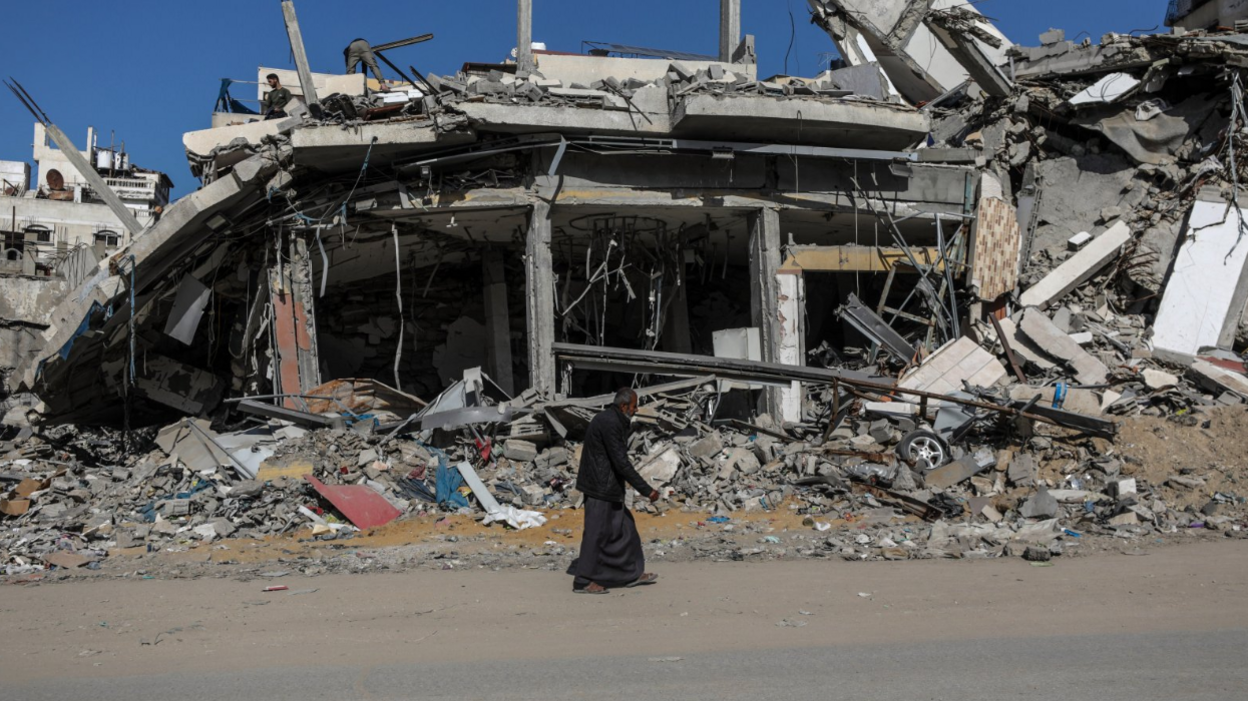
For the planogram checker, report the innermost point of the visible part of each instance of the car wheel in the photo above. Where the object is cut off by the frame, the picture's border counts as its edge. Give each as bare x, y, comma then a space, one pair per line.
924, 450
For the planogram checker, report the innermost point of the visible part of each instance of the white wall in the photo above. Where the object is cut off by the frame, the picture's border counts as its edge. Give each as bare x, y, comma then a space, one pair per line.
71, 223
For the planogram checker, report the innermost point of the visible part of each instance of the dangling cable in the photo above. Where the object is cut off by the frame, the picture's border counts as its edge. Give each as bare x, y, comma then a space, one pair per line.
398, 295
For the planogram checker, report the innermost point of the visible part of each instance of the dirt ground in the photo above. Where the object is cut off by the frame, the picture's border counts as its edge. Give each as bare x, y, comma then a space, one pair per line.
1212, 446
131, 626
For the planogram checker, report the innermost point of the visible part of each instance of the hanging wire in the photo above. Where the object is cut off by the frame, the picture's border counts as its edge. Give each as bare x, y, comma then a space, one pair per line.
398, 295
1238, 118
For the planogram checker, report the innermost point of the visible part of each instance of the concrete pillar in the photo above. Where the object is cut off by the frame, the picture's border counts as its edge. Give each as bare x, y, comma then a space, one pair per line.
764, 293
791, 314
729, 28
540, 301
497, 321
676, 338
524, 35
301, 57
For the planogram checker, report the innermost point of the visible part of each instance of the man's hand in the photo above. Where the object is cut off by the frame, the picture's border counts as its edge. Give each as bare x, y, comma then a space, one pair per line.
654, 496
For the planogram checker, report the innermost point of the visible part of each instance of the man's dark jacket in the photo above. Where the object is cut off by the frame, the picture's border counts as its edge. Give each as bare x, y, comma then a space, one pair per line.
605, 467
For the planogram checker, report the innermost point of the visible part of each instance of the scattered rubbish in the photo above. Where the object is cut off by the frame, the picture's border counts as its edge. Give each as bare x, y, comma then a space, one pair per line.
1061, 258
276, 588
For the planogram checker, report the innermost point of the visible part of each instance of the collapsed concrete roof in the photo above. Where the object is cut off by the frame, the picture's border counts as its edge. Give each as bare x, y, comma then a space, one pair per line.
485, 160
483, 218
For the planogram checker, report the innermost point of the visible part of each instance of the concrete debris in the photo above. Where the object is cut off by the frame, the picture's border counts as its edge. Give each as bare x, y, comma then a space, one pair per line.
1060, 346
1207, 291
1060, 251
1093, 255
1040, 506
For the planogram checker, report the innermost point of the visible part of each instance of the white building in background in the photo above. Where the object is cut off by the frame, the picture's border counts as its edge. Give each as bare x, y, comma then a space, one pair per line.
46, 218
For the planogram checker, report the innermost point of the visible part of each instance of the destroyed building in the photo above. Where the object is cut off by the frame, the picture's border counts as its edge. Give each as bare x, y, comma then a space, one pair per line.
56, 228
941, 274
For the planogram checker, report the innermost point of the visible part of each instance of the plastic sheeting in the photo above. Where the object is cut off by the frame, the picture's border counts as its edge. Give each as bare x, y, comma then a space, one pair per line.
1157, 139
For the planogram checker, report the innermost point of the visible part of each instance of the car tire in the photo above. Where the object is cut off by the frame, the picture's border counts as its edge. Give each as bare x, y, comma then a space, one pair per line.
924, 450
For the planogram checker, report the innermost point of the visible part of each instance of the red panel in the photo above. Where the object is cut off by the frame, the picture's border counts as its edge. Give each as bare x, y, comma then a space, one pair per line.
362, 506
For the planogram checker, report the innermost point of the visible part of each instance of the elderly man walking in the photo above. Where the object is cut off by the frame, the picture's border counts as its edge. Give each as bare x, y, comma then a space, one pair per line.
611, 554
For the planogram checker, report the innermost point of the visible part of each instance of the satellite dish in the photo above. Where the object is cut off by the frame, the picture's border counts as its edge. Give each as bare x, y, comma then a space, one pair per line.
56, 181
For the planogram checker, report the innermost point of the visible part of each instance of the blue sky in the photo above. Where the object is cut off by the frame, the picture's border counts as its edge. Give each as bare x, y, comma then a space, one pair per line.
149, 70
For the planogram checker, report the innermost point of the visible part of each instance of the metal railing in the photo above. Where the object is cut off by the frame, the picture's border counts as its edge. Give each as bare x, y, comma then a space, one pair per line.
131, 184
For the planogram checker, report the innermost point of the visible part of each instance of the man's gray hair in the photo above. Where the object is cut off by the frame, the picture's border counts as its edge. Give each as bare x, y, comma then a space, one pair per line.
625, 396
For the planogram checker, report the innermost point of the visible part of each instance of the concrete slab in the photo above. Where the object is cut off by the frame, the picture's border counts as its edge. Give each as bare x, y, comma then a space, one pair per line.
202, 142
826, 122
1024, 346
333, 148
944, 370
534, 119
1205, 295
1215, 378
1045, 334
1078, 269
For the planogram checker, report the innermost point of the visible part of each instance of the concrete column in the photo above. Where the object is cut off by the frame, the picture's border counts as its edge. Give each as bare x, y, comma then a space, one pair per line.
524, 35
729, 28
497, 321
676, 338
540, 301
301, 57
792, 341
764, 293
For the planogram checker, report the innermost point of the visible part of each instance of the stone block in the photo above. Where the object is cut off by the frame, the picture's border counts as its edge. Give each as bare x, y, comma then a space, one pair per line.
1022, 471
520, 451
1040, 505
707, 447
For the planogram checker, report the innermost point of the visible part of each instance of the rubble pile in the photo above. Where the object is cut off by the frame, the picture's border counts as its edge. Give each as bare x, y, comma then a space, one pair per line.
995, 495
1082, 306
439, 95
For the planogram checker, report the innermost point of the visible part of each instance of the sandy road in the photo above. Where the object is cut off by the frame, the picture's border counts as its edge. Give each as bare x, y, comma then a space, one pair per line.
988, 629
